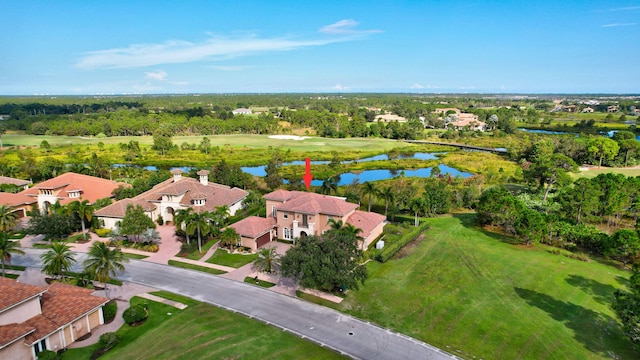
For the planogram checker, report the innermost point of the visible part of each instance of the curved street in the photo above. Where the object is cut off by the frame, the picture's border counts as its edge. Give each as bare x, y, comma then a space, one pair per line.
345, 334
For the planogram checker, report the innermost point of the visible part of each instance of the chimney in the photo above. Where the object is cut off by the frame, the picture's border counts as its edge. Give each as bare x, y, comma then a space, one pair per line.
204, 177
177, 174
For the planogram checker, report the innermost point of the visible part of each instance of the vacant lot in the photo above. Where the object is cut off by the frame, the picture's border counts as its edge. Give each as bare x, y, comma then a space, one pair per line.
477, 296
202, 331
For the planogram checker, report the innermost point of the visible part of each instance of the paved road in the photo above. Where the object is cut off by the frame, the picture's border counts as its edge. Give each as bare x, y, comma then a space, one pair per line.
345, 334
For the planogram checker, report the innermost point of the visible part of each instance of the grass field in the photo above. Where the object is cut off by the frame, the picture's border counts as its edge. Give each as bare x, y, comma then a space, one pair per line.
185, 265
605, 170
474, 295
202, 331
222, 257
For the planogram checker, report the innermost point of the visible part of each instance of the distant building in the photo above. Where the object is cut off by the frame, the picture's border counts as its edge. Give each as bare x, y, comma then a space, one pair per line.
587, 110
35, 318
17, 182
613, 108
469, 123
241, 111
390, 118
4, 117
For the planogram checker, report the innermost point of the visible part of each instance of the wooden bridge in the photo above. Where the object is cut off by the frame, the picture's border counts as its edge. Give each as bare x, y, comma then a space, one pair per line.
461, 146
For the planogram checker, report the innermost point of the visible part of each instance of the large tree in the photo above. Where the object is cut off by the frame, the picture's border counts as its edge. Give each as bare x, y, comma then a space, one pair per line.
183, 217
135, 223
8, 248
104, 263
84, 211
58, 259
368, 188
199, 223
329, 262
627, 306
624, 245
54, 226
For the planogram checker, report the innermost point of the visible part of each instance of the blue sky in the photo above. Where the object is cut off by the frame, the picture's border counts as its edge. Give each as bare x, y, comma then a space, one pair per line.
124, 47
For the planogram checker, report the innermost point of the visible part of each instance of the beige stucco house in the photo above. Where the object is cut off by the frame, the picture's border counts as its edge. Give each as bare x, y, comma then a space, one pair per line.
175, 194
295, 214
35, 318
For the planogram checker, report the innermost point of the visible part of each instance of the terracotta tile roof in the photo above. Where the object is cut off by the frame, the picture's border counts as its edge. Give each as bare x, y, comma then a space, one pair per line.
253, 226
43, 325
13, 181
63, 304
215, 195
366, 221
92, 188
203, 172
13, 292
312, 203
18, 199
12, 332
119, 208
279, 195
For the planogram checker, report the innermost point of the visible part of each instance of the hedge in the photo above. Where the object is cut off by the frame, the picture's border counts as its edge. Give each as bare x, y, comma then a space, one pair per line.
134, 314
391, 249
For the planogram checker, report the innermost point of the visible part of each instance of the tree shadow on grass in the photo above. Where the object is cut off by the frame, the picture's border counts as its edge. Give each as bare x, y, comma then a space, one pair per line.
468, 220
598, 333
602, 293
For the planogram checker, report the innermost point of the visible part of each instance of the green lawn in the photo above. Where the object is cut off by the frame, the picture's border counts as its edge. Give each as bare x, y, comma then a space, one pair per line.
262, 283
222, 257
197, 255
468, 292
203, 331
134, 256
184, 265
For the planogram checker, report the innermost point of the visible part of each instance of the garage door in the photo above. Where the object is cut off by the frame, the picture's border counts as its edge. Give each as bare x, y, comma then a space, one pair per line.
265, 238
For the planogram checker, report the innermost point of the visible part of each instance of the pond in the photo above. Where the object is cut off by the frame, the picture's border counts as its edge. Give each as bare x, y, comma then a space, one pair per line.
259, 170
383, 174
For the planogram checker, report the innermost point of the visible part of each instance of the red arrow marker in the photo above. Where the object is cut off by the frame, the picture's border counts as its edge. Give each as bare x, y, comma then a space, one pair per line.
307, 173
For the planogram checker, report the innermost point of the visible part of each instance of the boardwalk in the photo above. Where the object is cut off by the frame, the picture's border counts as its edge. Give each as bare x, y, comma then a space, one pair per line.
461, 146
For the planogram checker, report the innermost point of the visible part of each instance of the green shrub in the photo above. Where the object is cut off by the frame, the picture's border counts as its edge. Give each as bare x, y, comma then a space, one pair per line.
103, 232
49, 355
160, 220
109, 340
109, 311
75, 238
392, 248
134, 314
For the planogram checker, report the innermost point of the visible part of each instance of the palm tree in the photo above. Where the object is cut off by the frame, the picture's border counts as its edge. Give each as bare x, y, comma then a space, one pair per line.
103, 262
8, 218
8, 247
388, 195
369, 189
335, 224
58, 259
84, 210
199, 222
417, 205
183, 216
229, 237
328, 186
267, 260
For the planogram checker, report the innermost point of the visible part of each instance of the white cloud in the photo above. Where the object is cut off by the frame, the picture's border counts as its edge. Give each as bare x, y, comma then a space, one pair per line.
158, 75
215, 48
339, 87
345, 27
619, 24
228, 67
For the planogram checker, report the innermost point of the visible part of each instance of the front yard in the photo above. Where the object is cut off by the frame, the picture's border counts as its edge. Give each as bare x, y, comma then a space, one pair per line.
223, 257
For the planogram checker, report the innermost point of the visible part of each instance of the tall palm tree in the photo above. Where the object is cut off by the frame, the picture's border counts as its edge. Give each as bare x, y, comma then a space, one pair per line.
369, 189
228, 237
8, 218
7, 248
335, 224
417, 206
58, 259
84, 210
388, 195
103, 263
267, 260
199, 223
183, 216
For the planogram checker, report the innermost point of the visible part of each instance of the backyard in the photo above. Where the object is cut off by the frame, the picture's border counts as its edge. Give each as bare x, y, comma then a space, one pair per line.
473, 294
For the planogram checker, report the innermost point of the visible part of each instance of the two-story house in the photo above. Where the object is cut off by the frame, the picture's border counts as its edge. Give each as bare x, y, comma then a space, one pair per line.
35, 318
175, 194
296, 214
